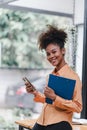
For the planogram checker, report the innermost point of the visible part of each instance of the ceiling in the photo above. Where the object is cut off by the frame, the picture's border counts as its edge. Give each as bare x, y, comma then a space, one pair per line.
61, 7
66, 8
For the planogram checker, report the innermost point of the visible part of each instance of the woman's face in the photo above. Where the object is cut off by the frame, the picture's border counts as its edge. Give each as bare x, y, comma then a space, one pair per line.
55, 55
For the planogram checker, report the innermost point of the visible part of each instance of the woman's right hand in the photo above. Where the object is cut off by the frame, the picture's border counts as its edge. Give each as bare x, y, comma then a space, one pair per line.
30, 89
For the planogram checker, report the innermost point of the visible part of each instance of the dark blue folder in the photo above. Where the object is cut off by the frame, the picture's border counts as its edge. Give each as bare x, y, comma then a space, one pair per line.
63, 87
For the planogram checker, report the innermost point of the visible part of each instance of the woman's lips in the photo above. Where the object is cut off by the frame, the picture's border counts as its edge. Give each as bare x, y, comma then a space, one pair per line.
53, 60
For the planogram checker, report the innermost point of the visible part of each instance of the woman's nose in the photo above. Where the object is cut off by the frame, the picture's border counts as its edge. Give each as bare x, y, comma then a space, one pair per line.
51, 55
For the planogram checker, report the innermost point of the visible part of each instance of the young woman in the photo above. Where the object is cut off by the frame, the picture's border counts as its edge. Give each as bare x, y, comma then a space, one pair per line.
58, 115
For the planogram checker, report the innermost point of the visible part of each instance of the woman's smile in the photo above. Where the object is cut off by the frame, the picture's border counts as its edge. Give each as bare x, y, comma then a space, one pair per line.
54, 60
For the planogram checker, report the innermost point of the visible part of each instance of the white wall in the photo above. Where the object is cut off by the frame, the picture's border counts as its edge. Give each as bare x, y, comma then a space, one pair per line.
79, 12
79, 55
0, 54
79, 21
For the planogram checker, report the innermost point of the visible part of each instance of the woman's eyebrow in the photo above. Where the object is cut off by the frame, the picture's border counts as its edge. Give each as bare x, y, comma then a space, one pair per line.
52, 50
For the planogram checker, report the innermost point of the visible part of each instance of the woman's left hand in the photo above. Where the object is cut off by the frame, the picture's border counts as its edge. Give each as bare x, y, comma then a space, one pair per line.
49, 93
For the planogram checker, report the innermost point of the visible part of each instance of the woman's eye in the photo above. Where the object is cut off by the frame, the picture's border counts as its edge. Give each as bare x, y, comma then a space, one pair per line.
54, 52
48, 54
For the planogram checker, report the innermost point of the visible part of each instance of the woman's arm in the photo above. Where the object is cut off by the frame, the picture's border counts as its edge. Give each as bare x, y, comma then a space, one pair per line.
39, 97
74, 105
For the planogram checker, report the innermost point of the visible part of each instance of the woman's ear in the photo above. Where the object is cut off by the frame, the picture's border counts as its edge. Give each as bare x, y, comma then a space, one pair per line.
63, 51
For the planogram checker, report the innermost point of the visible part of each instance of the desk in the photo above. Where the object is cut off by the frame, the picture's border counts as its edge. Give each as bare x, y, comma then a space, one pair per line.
29, 123
79, 127
26, 123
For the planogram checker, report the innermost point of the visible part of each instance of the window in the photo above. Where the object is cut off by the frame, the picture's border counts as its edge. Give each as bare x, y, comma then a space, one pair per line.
19, 34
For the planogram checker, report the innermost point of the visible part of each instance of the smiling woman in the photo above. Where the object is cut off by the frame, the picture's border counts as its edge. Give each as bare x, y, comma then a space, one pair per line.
53, 40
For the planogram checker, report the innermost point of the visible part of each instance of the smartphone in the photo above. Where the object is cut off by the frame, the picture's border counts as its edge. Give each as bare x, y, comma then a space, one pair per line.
26, 80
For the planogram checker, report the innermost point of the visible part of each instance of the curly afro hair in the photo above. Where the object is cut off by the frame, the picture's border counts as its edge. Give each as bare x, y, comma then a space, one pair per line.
52, 35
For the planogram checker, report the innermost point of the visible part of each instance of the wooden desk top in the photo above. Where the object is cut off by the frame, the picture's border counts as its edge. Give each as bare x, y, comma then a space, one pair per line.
79, 127
29, 123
